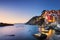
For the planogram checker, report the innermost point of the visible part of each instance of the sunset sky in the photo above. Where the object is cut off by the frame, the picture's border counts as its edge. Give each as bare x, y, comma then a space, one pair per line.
20, 11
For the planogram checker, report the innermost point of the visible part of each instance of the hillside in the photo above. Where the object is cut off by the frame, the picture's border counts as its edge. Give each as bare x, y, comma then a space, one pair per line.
5, 24
36, 19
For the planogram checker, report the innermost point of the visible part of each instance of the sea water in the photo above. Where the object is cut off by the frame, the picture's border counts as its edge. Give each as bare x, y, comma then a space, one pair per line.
21, 32
18, 32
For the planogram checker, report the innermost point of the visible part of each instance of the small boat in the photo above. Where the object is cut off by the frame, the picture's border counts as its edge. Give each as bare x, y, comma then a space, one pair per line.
37, 35
40, 36
45, 34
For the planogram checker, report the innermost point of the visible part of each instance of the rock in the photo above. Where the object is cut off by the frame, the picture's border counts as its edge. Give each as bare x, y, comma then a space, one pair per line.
11, 35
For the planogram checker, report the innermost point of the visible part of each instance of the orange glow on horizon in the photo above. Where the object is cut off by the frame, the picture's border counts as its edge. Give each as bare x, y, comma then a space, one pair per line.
6, 17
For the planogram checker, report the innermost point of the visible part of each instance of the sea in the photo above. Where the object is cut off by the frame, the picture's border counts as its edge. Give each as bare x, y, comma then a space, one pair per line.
21, 32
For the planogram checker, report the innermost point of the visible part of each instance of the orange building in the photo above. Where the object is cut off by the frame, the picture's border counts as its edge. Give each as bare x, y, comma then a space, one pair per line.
57, 12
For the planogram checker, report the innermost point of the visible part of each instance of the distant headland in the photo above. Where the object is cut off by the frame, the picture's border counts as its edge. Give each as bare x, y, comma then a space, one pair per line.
5, 24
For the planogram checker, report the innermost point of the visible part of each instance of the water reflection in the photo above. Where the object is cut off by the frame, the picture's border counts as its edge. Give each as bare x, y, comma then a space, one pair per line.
18, 32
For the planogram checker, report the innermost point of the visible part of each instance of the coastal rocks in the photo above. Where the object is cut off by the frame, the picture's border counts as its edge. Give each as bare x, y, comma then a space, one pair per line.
11, 35
36, 20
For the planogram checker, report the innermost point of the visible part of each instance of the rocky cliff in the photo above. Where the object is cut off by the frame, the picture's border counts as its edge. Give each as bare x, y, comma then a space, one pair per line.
36, 20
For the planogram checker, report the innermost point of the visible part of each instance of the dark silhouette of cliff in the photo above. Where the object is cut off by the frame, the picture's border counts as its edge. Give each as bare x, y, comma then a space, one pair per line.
34, 20
5, 24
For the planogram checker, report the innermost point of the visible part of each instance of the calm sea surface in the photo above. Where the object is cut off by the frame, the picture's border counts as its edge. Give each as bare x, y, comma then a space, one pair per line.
20, 32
